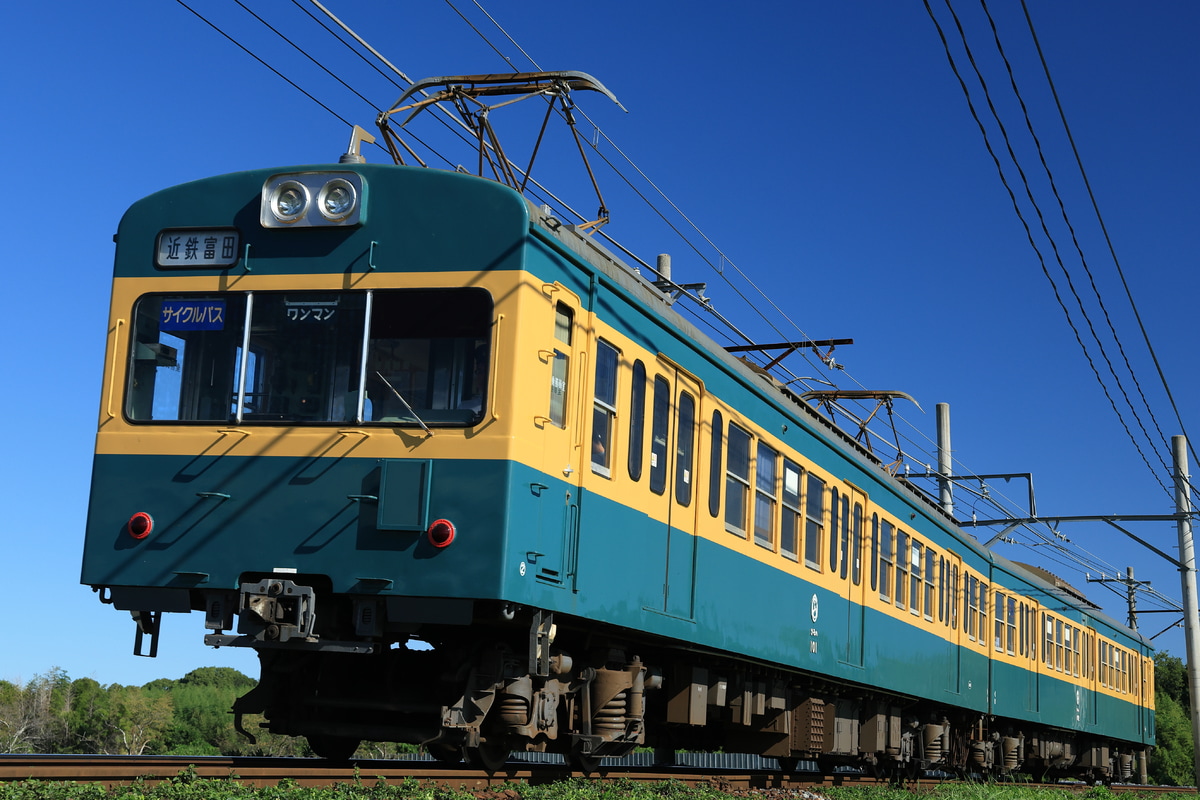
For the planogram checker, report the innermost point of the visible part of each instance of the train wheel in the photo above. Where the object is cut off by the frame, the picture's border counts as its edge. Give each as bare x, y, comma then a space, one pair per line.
333, 748
446, 753
488, 756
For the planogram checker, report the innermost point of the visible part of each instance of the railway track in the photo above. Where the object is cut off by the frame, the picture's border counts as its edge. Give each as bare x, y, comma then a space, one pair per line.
118, 770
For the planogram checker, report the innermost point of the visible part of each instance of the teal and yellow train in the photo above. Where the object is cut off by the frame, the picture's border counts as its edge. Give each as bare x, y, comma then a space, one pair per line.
463, 478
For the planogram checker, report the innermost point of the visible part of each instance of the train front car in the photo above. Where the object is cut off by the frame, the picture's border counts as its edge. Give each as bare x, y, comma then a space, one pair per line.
307, 433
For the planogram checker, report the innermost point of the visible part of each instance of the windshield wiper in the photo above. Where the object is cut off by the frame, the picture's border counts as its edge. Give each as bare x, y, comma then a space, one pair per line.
411, 413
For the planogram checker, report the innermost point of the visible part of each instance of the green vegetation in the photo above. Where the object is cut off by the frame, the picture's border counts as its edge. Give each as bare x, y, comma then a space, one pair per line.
187, 787
1172, 761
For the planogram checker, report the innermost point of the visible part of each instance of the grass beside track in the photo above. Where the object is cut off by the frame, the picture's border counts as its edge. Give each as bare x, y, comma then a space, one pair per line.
187, 786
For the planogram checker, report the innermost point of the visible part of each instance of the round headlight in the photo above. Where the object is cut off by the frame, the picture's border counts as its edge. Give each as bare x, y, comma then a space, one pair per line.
289, 201
337, 200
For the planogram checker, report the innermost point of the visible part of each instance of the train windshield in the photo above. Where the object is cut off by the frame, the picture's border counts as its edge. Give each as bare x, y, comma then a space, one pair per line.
400, 357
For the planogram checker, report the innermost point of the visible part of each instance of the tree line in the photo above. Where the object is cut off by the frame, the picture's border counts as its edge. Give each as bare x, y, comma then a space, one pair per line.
51, 713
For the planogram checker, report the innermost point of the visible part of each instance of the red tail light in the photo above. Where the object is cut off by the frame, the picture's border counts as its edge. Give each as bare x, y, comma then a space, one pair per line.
441, 533
140, 525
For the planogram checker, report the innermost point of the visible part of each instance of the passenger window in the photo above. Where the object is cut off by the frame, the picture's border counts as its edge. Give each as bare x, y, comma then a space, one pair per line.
714, 465
1000, 603
814, 517
764, 498
604, 408
914, 589
930, 578
885, 560
901, 568
874, 552
789, 532
685, 449
658, 435
737, 481
560, 369
637, 420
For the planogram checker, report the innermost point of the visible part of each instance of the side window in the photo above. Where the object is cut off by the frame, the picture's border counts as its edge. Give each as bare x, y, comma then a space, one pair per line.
901, 568
637, 420
930, 581
885, 560
952, 596
737, 481
560, 370
658, 435
1010, 627
914, 590
714, 464
814, 510
873, 555
970, 604
604, 408
764, 497
685, 449
1001, 600
983, 612
942, 580
789, 531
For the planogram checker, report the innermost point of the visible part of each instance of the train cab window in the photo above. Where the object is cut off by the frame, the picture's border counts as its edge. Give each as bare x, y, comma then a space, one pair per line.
789, 529
604, 408
737, 480
885, 560
298, 357
637, 420
814, 511
714, 464
659, 424
685, 449
765, 496
561, 365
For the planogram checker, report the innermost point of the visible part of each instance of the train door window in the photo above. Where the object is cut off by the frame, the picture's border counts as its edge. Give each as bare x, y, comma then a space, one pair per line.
953, 597
901, 568
983, 612
604, 408
942, 583
561, 367
930, 578
885, 560
714, 464
814, 511
845, 541
856, 545
737, 481
637, 420
765, 496
789, 532
659, 424
970, 601
874, 551
834, 527
685, 449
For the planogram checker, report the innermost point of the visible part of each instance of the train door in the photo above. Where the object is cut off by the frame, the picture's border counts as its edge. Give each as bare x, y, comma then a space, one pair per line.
851, 573
564, 428
674, 429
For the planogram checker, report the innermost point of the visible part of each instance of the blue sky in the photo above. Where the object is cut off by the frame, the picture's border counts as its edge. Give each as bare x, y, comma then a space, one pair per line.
826, 151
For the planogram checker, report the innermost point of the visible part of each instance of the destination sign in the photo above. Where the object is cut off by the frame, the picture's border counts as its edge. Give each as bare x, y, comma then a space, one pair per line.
197, 248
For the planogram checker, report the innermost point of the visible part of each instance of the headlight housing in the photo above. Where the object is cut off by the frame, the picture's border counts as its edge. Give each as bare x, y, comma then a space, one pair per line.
287, 200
